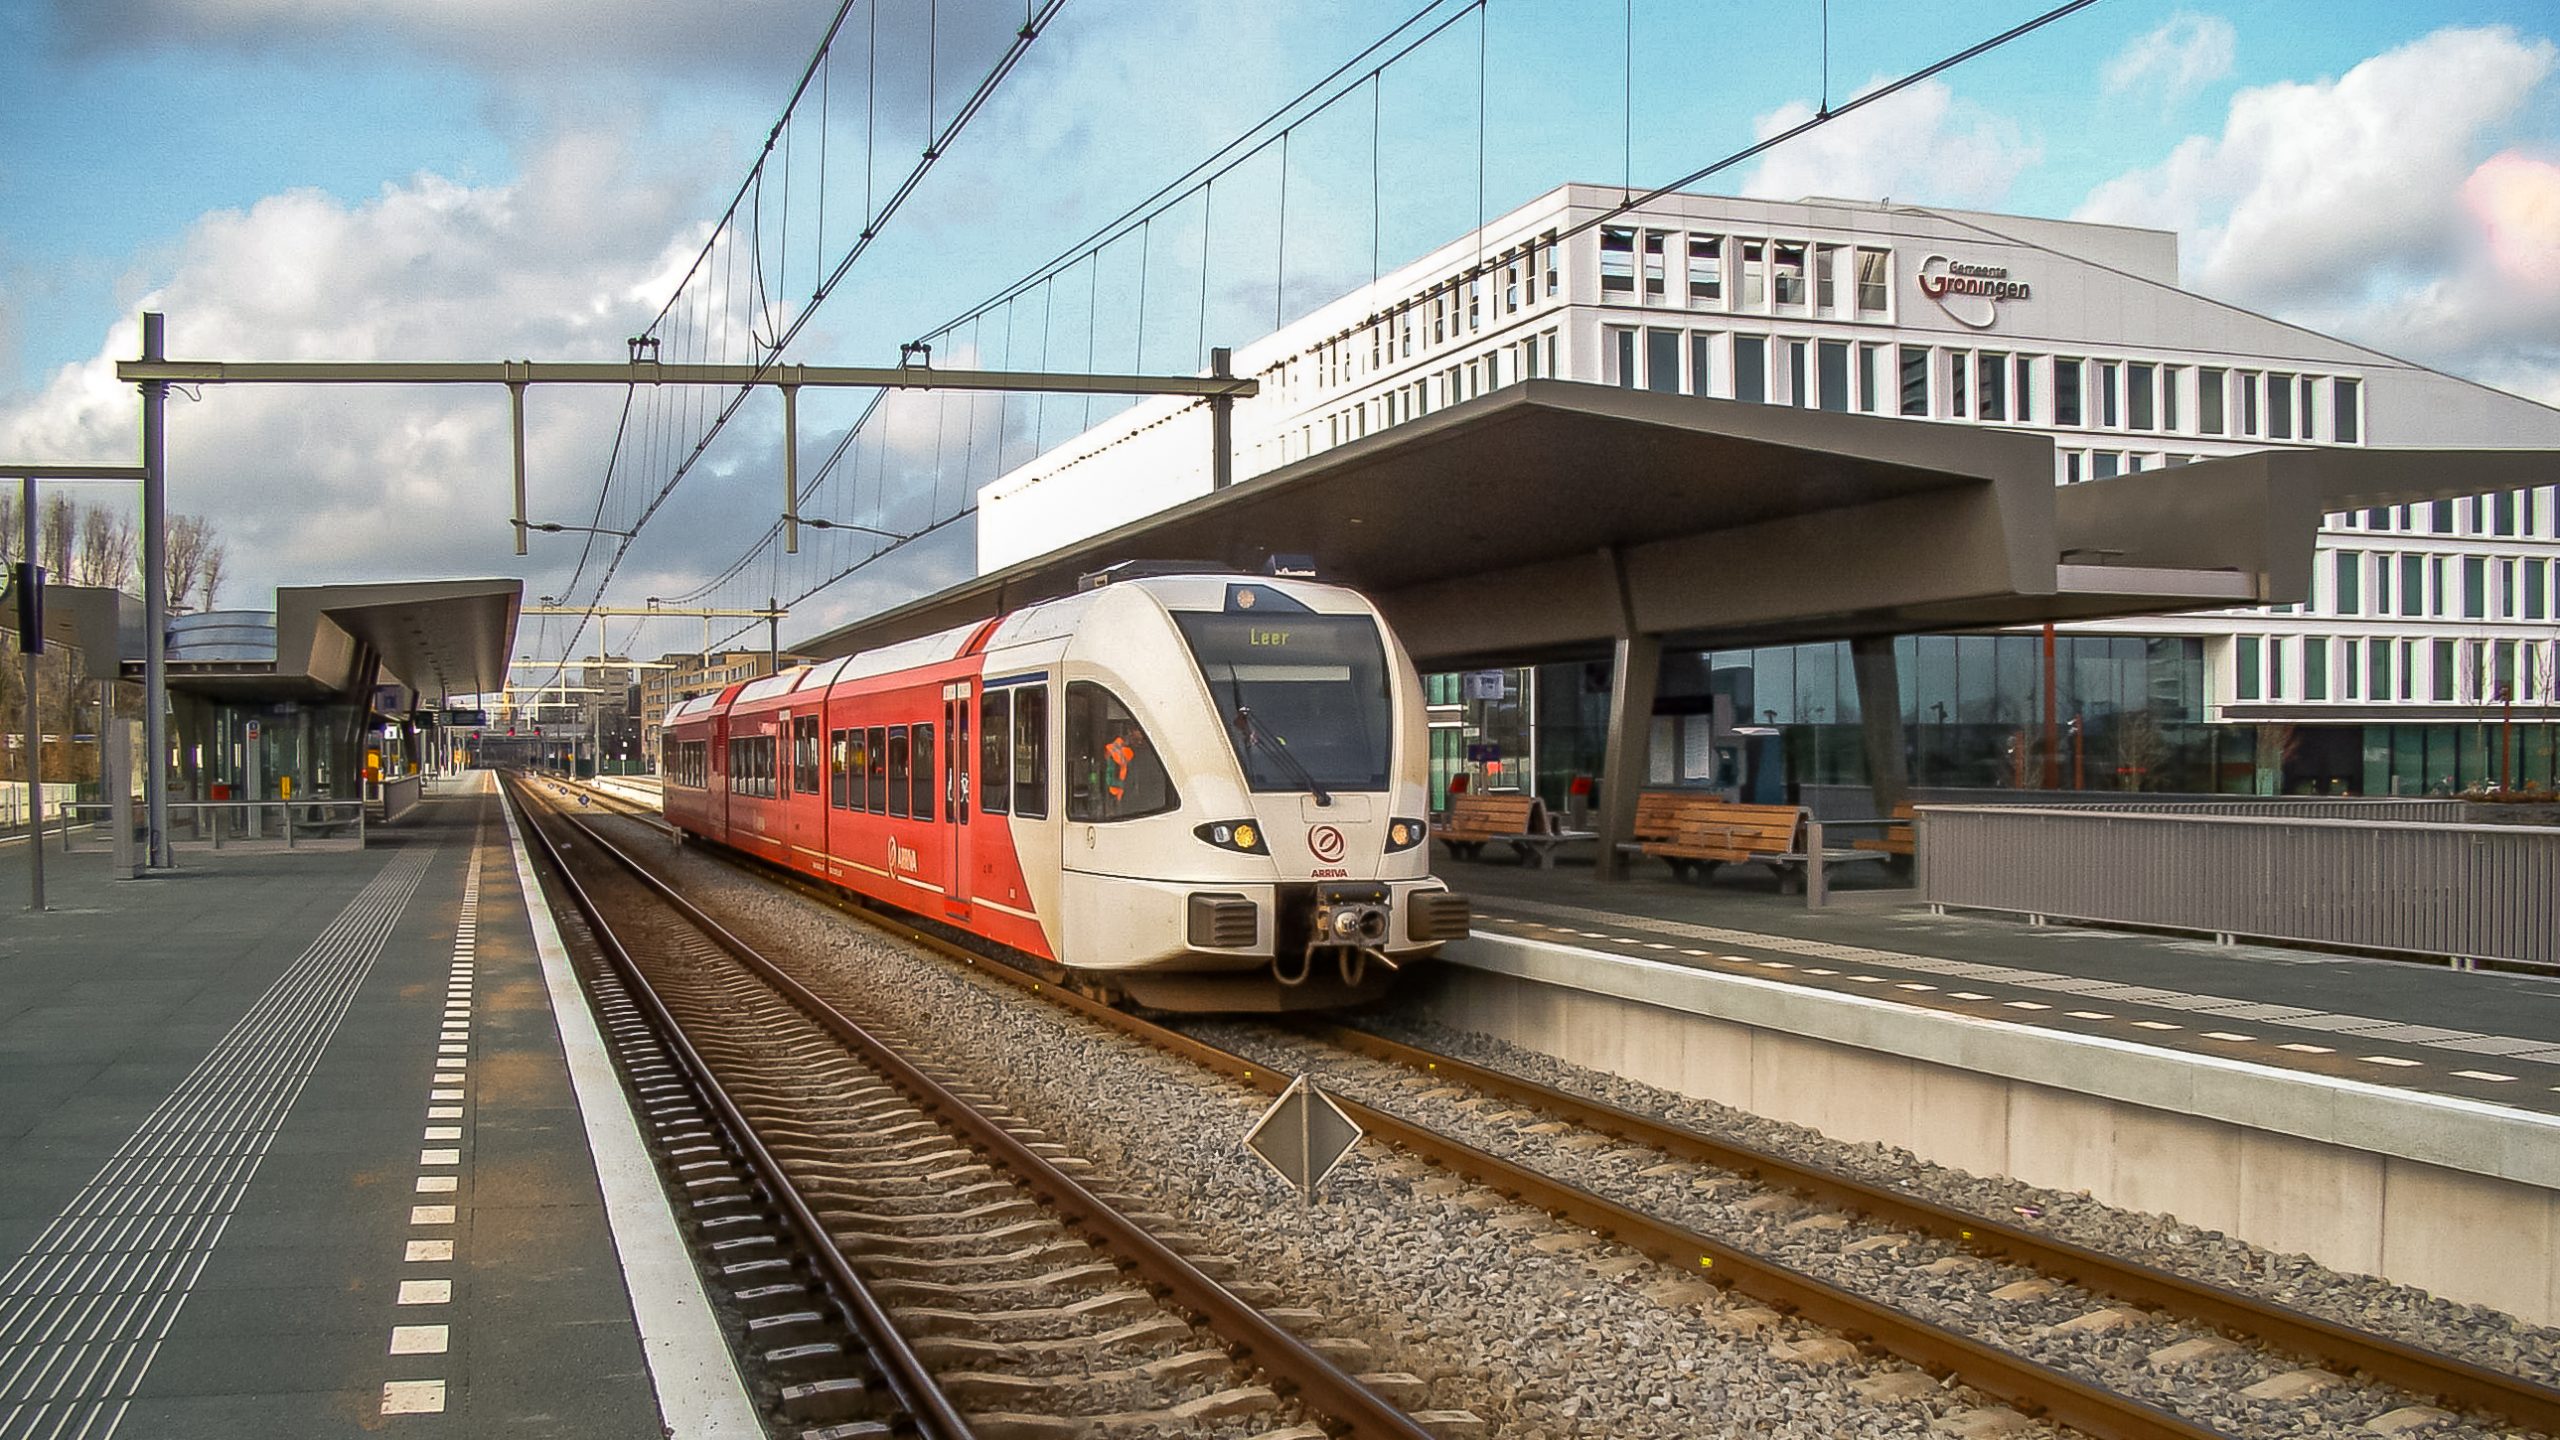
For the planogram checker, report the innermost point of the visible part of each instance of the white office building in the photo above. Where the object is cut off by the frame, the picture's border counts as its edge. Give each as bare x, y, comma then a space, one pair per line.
2429, 652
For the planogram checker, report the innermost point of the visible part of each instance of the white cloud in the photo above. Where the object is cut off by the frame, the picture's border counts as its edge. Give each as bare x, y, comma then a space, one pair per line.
309, 483
1922, 145
2385, 205
2186, 53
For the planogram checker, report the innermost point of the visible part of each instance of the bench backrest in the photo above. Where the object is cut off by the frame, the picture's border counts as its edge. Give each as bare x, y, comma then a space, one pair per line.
1496, 814
1751, 828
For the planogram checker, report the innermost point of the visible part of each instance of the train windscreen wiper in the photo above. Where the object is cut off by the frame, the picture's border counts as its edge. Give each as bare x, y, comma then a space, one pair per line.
1276, 746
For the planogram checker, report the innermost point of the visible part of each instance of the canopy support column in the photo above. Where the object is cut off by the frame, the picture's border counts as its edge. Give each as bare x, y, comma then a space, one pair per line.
1880, 720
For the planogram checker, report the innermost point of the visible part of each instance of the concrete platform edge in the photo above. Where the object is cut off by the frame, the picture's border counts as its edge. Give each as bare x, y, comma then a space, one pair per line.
2448, 1194
700, 1395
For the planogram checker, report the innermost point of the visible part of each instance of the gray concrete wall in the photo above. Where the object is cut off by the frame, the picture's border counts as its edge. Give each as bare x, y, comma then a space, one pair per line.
2453, 1196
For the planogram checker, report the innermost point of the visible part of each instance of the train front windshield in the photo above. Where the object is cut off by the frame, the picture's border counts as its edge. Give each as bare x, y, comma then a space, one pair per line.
1304, 697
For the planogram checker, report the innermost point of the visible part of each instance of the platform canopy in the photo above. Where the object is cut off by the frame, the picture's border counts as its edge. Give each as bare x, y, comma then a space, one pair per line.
1550, 518
436, 637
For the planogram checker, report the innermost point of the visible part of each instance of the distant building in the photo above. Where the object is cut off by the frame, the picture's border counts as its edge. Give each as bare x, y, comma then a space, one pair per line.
2427, 624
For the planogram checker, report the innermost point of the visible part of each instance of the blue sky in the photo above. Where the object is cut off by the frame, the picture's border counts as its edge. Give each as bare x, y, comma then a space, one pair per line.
481, 178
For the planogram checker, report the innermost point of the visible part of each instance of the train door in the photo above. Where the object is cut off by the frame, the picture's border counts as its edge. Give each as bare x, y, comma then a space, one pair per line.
956, 755
808, 809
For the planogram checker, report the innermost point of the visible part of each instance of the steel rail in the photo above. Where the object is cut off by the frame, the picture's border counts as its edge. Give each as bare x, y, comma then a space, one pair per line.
2466, 1384
1320, 1383
911, 1385
2463, 1383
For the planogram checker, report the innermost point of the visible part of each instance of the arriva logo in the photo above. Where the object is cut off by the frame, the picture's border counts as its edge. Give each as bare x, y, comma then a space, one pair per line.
1970, 294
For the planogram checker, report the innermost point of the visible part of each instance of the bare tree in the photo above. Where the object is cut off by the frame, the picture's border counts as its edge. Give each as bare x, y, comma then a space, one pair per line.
106, 548
55, 530
189, 537
9, 524
213, 555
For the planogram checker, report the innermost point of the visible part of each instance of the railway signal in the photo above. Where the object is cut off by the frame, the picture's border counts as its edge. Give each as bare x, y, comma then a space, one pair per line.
1303, 1136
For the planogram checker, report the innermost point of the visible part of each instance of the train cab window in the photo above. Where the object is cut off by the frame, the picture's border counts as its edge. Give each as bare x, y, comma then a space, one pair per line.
840, 770
876, 767
1031, 752
1113, 770
804, 754
995, 752
927, 774
898, 771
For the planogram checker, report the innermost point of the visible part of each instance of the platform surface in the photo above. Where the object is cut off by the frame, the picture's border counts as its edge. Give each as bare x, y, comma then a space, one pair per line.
2483, 1036
288, 1147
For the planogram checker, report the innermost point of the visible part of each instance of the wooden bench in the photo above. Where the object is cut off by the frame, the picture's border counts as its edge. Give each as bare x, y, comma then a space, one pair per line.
1898, 843
1698, 833
1520, 821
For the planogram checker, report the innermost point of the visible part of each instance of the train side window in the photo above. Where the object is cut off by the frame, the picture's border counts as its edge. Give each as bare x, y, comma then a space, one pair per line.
995, 751
839, 769
877, 767
857, 770
898, 771
1031, 752
927, 773
1113, 770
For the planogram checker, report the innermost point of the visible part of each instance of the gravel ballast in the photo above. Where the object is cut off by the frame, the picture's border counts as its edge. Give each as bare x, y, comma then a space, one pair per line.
1544, 1331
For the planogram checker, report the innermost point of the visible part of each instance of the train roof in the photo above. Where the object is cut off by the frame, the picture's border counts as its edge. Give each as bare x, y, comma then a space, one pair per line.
1033, 622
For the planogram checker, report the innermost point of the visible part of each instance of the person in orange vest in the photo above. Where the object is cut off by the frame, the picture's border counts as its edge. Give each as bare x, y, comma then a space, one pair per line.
1119, 752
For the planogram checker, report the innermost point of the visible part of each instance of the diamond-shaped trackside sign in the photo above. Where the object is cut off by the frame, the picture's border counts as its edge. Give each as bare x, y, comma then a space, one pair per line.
1303, 1135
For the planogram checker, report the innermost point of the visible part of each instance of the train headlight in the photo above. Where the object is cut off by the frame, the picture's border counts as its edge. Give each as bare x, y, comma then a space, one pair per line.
1405, 834
1241, 836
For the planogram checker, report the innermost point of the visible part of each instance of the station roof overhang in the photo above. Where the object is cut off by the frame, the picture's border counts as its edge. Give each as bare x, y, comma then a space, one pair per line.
434, 637
1548, 518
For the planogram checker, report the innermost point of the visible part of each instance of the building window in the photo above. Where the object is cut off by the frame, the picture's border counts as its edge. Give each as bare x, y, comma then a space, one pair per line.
1826, 279
1617, 263
2071, 467
2022, 394
1750, 368
2107, 417
1550, 252
2308, 387
2378, 670
2103, 464
1510, 299
2209, 398
2249, 402
2138, 380
2066, 394
2475, 588
2351, 670
1991, 388
1915, 380
2275, 667
2347, 567
2280, 407
1755, 274
1833, 377
2443, 688
1622, 358
2172, 380
1656, 284
1799, 385
1790, 277
1957, 363
2503, 507
2344, 420
1870, 361
2413, 585
2245, 668
2315, 668
1871, 282
1702, 362
1706, 270
2440, 517
2536, 595
1662, 361
2435, 581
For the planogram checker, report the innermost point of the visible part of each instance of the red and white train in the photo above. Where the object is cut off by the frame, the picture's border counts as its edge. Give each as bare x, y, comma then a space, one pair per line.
1198, 791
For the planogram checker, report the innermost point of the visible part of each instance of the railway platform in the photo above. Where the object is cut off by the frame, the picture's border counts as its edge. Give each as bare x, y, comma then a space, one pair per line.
2385, 1117
302, 1144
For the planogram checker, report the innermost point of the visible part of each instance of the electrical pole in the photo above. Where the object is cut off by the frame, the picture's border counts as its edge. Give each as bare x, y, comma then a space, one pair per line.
155, 601
30, 645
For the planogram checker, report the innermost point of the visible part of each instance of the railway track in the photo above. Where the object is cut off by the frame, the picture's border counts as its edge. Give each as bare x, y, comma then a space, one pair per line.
988, 1291
1516, 1132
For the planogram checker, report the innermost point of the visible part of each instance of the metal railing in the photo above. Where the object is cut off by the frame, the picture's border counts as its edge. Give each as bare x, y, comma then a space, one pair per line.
248, 825
2464, 893
1834, 802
